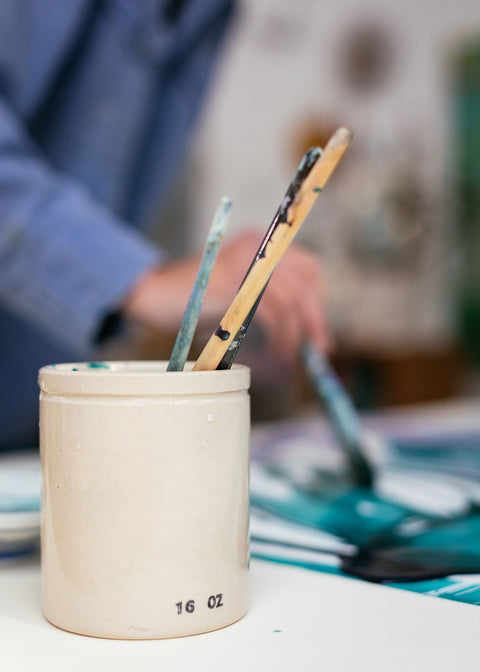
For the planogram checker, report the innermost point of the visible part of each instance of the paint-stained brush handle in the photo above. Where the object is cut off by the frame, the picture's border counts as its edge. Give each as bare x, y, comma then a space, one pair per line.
190, 318
271, 253
309, 159
340, 410
306, 164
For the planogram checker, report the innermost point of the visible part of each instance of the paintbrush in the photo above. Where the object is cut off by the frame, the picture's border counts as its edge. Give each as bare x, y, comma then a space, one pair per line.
190, 318
274, 245
306, 164
340, 410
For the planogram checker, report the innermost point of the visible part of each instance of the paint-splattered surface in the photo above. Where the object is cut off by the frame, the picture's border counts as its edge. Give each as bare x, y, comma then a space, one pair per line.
306, 513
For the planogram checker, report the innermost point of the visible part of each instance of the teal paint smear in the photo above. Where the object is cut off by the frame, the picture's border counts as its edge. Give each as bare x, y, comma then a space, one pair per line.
189, 323
357, 515
12, 504
97, 365
456, 589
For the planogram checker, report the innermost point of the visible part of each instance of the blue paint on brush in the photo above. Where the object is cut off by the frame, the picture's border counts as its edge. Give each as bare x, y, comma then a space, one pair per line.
189, 323
223, 334
340, 410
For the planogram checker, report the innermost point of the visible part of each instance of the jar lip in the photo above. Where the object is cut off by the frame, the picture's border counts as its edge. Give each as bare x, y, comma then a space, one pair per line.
138, 378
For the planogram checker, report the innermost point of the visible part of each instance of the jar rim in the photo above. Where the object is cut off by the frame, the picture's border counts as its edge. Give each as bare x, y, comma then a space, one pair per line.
138, 377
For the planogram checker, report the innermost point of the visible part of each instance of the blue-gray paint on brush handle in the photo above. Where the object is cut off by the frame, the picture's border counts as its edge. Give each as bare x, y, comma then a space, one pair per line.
222, 334
340, 410
189, 323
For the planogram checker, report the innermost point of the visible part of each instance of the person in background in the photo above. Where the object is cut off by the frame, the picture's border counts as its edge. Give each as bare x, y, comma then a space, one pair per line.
98, 99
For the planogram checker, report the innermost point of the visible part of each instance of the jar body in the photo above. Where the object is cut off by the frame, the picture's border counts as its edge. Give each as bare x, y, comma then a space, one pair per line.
144, 502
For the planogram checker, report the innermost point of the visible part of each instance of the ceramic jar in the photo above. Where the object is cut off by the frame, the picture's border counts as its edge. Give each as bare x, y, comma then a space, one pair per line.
144, 498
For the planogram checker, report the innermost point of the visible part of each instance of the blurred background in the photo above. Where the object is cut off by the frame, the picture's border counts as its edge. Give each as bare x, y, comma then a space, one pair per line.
398, 227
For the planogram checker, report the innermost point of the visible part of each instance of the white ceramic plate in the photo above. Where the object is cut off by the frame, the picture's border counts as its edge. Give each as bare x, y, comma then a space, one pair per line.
20, 486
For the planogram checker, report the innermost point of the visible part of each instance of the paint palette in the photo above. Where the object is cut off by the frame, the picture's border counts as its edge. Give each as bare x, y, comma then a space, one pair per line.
20, 485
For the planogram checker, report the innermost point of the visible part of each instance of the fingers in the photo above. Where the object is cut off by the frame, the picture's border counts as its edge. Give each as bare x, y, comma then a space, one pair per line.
310, 293
291, 310
293, 307
232, 263
159, 297
278, 316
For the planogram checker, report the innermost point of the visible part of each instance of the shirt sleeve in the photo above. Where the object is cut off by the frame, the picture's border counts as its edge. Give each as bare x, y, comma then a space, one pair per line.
66, 262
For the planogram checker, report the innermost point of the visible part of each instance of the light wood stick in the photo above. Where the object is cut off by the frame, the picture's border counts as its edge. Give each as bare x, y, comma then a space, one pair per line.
306, 164
281, 238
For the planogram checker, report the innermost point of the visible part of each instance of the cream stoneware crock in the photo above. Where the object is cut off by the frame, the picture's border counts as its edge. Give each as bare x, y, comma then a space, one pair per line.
144, 498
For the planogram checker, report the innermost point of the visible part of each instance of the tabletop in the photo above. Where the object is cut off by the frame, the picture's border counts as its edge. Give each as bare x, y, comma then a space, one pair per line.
297, 620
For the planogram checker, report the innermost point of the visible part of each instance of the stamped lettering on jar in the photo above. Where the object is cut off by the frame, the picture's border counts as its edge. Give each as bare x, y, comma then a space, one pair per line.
213, 602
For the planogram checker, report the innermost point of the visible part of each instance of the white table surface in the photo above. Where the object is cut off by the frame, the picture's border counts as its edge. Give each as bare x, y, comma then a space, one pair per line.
298, 620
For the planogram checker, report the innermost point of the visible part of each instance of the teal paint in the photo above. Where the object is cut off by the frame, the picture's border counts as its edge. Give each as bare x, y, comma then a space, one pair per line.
97, 365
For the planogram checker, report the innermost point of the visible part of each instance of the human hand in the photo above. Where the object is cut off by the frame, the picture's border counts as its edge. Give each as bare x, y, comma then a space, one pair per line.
291, 310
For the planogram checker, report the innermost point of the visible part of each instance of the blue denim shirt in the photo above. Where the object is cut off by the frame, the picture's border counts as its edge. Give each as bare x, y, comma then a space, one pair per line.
97, 99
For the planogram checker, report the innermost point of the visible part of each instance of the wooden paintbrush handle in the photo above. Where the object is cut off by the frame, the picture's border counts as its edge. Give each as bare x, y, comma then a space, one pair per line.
281, 238
306, 164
